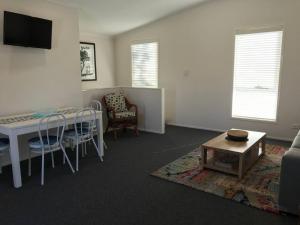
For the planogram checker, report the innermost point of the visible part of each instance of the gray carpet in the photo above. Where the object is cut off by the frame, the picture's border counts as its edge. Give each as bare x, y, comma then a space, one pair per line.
120, 191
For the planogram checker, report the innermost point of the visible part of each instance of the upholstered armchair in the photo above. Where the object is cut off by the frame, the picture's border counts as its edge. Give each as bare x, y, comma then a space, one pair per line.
120, 113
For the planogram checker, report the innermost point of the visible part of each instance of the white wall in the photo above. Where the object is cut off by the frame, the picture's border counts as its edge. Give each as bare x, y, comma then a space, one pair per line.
151, 107
196, 62
33, 79
105, 61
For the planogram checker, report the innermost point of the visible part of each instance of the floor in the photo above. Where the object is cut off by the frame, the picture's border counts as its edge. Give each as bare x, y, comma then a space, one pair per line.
121, 191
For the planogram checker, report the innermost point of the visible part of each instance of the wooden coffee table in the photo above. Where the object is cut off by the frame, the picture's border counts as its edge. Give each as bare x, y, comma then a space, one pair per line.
247, 153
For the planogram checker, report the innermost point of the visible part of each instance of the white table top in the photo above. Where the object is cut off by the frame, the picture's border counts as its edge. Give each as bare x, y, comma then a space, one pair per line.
30, 119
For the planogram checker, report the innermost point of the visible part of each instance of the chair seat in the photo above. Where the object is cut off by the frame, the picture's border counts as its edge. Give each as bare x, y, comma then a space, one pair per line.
85, 125
71, 134
123, 115
35, 143
4, 144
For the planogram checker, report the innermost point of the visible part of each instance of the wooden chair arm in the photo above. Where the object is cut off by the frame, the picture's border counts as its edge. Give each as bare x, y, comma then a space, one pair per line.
129, 106
111, 110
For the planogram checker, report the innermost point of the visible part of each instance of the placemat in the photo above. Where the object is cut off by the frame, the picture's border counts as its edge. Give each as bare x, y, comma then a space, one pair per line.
34, 116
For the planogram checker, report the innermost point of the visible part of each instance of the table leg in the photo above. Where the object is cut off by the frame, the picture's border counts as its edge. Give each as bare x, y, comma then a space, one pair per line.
100, 135
15, 160
241, 166
263, 146
204, 155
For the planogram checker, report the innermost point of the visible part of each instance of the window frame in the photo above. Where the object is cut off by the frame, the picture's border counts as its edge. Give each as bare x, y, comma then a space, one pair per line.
145, 41
253, 31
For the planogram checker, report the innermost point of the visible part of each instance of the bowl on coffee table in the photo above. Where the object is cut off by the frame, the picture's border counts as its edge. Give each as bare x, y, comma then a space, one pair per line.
237, 135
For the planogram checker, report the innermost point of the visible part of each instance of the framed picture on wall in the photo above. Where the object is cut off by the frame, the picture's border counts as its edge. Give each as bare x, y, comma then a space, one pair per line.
88, 61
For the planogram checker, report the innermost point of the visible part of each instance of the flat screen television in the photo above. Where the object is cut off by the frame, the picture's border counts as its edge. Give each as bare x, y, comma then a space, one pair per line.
27, 31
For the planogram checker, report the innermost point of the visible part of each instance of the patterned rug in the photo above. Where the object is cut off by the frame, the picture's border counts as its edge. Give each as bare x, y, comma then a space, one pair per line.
259, 187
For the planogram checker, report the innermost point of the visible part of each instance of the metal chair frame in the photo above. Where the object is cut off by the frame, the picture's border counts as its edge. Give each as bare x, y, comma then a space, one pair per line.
58, 123
81, 136
96, 105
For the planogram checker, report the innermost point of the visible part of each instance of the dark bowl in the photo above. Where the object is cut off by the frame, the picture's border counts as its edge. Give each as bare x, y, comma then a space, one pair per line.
235, 138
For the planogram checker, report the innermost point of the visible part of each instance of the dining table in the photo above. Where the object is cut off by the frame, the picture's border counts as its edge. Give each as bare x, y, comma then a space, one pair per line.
15, 126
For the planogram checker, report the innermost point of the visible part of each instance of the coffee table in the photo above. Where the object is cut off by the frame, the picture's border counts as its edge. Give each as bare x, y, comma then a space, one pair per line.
247, 153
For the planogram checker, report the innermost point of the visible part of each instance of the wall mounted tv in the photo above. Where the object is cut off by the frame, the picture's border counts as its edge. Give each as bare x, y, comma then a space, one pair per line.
27, 31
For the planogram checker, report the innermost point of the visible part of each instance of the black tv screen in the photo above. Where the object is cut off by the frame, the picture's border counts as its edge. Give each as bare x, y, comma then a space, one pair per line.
27, 31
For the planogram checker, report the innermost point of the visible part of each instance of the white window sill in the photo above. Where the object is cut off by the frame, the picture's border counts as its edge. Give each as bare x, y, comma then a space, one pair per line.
258, 120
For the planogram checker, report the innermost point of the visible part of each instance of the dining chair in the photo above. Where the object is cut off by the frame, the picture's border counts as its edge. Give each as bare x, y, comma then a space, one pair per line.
83, 131
96, 105
49, 140
4, 147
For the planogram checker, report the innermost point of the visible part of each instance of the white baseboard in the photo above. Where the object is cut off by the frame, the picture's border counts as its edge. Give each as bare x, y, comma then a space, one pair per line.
151, 131
196, 127
220, 130
147, 130
280, 138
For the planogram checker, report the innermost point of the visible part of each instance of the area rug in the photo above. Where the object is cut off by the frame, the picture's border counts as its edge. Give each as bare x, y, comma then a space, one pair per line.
259, 187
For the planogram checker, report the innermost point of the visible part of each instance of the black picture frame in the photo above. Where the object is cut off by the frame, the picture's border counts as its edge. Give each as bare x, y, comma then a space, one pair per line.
88, 63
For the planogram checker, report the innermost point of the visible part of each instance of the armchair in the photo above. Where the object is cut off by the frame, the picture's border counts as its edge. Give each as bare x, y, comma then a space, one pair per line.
120, 113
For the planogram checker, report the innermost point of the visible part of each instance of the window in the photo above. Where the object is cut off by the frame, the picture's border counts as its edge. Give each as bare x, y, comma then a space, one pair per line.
144, 65
256, 75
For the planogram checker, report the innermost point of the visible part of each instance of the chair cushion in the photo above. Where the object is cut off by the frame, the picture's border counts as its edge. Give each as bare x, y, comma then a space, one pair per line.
4, 144
35, 142
122, 115
72, 133
116, 102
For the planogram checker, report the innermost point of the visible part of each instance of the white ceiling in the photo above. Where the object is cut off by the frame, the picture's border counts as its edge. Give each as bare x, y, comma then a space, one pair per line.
112, 17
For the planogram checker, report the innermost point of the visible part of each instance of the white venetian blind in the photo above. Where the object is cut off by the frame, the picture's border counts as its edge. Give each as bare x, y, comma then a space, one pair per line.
144, 65
256, 75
